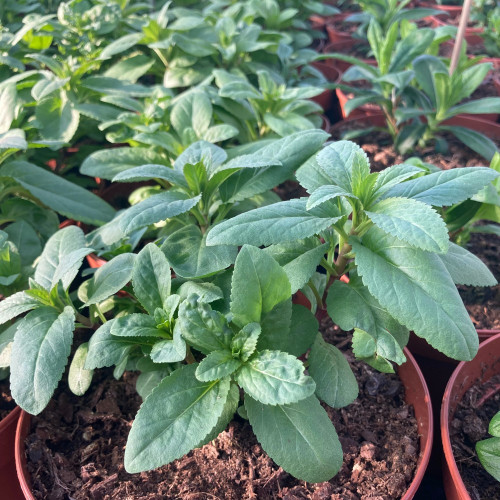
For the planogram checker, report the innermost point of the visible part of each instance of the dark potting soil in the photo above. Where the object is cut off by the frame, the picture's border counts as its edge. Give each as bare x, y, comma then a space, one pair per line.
289, 190
75, 449
470, 425
7, 404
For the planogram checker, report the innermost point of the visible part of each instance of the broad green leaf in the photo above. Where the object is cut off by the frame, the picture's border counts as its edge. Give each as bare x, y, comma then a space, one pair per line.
107, 85
476, 106
129, 69
299, 259
478, 142
25, 239
174, 418
426, 68
299, 437
412, 221
56, 118
445, 188
79, 378
120, 45
14, 138
110, 278
465, 268
219, 133
488, 452
16, 304
63, 196
194, 110
105, 349
217, 365
277, 223
169, 351
206, 330
59, 247
365, 347
311, 176
146, 172
147, 381
421, 296
245, 341
175, 77
258, 285
275, 378
494, 427
190, 257
39, 355
201, 152
6, 341
393, 176
207, 292
325, 193
69, 266
303, 330
46, 86
8, 98
336, 384
107, 163
156, 208
151, 278
99, 112
135, 325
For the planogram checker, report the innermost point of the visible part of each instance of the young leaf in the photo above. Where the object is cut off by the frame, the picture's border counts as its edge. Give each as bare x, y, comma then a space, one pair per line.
217, 365
244, 342
16, 304
299, 437
414, 294
275, 378
39, 354
336, 385
79, 378
258, 285
169, 351
151, 278
175, 418
110, 278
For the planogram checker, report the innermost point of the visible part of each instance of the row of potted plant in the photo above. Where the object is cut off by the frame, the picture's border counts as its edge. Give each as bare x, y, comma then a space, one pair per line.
225, 323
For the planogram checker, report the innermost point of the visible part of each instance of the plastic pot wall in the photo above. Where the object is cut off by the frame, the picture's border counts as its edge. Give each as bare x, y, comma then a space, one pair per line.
10, 488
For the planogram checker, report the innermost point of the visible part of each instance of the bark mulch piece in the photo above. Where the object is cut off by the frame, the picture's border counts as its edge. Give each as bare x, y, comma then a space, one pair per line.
470, 425
76, 448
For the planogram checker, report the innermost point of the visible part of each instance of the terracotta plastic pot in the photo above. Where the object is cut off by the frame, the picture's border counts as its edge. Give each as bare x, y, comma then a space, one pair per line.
417, 395
472, 35
364, 110
343, 47
327, 99
485, 365
450, 10
334, 34
9, 483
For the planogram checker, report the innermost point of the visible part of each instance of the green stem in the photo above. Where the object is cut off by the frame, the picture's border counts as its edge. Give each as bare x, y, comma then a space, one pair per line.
83, 320
331, 270
319, 301
162, 57
100, 314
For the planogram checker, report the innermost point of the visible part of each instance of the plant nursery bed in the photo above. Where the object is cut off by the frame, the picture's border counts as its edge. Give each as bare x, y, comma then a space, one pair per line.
7, 404
470, 425
75, 448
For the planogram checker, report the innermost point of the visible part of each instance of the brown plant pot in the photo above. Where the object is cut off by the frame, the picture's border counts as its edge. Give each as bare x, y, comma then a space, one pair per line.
485, 365
416, 394
343, 47
448, 10
472, 35
9, 483
327, 99
334, 34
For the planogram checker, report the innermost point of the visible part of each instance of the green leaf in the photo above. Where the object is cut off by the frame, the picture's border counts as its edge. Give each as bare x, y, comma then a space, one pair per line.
110, 278
393, 176
13, 138
445, 188
219, 133
120, 45
151, 278
365, 347
130, 69
190, 257
135, 325
39, 355
494, 427
299, 259
303, 330
105, 349
174, 418
107, 163
477, 141
299, 437
465, 268
217, 365
411, 221
16, 304
106, 85
63, 196
275, 378
476, 106
79, 378
206, 330
26, 240
56, 118
277, 223
194, 110
156, 208
169, 351
146, 172
245, 341
325, 193
67, 242
6, 341
336, 384
421, 296
488, 452
207, 292
8, 98
258, 285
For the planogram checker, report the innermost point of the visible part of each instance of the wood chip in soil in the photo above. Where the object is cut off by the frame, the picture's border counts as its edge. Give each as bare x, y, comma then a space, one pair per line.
75, 449
470, 425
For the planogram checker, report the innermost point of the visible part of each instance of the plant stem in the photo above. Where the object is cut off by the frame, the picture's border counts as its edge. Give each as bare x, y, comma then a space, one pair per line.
328, 267
83, 320
161, 56
319, 301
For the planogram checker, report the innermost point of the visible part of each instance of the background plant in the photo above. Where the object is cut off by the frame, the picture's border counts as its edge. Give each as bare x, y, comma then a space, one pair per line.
488, 450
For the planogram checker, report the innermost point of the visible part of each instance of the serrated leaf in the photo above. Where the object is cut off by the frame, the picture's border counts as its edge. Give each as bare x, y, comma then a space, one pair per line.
146, 172
275, 378
175, 417
411, 221
336, 384
58, 193
245, 341
422, 296
156, 208
16, 304
79, 378
110, 278
151, 278
39, 355
283, 221
299, 437
217, 365
169, 351
465, 268
135, 325
303, 330
488, 452
325, 193
445, 188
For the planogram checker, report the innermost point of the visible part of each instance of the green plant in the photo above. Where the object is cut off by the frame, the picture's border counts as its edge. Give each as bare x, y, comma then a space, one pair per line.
491, 33
488, 450
381, 229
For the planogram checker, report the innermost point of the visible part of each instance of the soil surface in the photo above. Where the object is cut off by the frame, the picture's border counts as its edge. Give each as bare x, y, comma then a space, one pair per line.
7, 404
82, 441
470, 425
